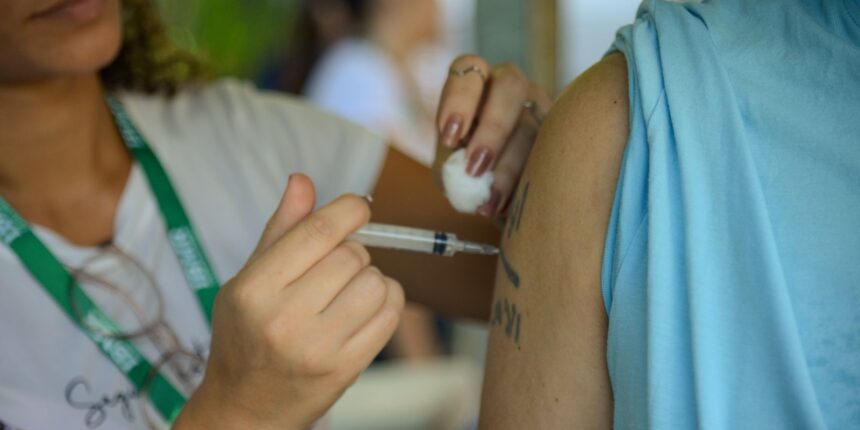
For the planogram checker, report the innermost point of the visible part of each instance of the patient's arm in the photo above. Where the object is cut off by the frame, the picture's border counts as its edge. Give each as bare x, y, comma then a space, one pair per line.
546, 362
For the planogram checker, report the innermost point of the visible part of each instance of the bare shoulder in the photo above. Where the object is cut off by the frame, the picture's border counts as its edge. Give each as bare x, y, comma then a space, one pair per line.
546, 359
593, 108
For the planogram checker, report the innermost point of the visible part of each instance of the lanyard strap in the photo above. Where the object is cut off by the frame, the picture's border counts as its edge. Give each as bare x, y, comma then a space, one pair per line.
198, 272
56, 280
44, 266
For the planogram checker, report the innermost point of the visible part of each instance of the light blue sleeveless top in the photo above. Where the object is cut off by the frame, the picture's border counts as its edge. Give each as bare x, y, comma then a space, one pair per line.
731, 273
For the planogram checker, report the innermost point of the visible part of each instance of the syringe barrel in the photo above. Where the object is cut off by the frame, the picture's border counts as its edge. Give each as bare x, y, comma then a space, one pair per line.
405, 238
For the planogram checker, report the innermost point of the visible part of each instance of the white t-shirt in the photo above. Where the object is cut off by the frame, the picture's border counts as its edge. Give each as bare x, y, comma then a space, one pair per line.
359, 81
228, 150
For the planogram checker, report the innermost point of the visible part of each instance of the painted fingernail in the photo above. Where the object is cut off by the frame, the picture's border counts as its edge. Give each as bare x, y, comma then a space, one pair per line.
451, 132
479, 162
489, 208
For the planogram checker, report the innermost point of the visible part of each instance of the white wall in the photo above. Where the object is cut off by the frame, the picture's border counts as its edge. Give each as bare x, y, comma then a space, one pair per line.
586, 30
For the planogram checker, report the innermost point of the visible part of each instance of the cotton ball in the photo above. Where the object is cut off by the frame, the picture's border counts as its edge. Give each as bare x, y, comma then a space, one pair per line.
465, 192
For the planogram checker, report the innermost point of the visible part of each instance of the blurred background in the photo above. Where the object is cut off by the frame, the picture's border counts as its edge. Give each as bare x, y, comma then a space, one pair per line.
552, 40
382, 63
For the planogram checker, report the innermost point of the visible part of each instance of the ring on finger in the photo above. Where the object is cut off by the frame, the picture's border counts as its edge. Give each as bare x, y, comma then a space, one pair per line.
466, 70
532, 107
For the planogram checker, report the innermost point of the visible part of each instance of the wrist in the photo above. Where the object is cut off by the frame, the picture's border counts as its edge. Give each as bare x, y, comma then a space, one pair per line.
213, 407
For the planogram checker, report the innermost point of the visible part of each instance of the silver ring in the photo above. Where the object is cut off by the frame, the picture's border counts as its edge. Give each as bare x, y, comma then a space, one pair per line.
466, 70
532, 107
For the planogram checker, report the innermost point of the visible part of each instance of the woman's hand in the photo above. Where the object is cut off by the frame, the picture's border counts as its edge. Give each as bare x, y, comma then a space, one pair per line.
298, 323
494, 112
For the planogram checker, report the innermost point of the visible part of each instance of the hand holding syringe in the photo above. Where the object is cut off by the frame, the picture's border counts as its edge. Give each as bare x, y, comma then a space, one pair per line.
417, 240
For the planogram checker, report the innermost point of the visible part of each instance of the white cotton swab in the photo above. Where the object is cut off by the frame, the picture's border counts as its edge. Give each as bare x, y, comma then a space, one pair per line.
465, 193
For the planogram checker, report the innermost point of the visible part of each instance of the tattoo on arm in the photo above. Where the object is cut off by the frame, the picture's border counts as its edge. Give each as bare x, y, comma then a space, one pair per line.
523, 204
505, 313
510, 272
516, 213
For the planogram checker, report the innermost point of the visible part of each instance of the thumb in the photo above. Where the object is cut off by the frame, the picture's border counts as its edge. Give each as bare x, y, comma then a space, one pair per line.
297, 202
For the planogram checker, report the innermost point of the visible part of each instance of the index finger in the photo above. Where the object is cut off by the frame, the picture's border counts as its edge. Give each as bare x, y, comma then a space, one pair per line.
309, 241
461, 98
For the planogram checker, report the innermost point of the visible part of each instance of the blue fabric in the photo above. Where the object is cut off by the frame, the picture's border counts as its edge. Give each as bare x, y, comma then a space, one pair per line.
731, 273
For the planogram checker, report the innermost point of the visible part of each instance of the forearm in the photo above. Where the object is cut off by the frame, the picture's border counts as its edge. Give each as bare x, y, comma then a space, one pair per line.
210, 408
459, 286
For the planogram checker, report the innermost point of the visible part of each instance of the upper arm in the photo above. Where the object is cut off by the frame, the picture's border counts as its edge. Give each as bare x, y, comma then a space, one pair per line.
546, 359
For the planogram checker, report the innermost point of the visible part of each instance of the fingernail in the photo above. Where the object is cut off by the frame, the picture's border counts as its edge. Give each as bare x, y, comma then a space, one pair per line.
451, 132
489, 208
479, 162
369, 199
287, 186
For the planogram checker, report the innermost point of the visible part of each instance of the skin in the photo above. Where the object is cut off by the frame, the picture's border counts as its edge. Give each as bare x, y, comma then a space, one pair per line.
307, 313
485, 109
329, 300
546, 359
400, 25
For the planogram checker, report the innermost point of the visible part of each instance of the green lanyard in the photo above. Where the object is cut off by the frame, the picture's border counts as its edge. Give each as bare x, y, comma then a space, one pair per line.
56, 280
198, 272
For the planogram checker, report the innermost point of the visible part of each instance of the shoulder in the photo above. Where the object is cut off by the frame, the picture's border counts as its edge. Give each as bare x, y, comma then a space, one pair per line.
575, 164
230, 126
698, 37
232, 114
227, 105
592, 109
602, 83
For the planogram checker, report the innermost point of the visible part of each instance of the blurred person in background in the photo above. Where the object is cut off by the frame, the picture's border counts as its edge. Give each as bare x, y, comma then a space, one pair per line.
355, 58
131, 185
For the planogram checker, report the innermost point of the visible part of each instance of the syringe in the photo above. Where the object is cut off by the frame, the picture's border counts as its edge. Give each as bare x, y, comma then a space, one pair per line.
417, 240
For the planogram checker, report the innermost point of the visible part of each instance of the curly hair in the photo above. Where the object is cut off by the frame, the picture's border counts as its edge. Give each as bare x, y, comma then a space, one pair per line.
148, 60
